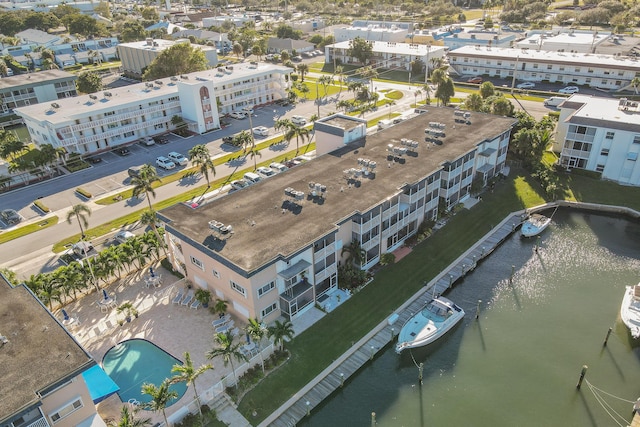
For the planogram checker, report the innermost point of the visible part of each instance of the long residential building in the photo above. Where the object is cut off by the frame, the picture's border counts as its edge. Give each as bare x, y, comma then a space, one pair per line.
275, 248
600, 135
137, 56
34, 88
44, 371
98, 122
595, 70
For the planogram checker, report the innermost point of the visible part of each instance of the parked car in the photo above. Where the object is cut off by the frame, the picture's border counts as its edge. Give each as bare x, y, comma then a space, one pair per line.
82, 249
95, 160
247, 110
526, 85
122, 151
261, 131
123, 236
569, 89
278, 167
265, 171
133, 172
283, 102
178, 158
238, 115
296, 58
161, 140
165, 163
227, 139
476, 80
147, 140
269, 57
239, 184
554, 101
298, 120
10, 216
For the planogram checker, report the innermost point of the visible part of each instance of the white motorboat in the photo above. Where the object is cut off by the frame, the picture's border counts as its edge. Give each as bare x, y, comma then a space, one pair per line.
535, 225
630, 310
430, 323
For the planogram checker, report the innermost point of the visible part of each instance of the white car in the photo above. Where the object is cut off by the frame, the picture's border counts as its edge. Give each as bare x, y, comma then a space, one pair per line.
165, 163
261, 131
123, 236
569, 89
526, 85
238, 115
298, 120
278, 167
177, 158
265, 171
147, 140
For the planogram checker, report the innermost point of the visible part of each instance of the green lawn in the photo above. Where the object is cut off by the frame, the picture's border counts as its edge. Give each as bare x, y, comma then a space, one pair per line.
6, 236
313, 351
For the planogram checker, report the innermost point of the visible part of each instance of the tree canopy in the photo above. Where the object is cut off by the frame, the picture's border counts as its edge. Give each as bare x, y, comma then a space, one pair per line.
181, 58
89, 82
360, 49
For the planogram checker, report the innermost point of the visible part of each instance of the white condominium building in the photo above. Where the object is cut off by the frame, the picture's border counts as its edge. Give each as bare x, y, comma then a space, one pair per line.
99, 122
600, 135
601, 71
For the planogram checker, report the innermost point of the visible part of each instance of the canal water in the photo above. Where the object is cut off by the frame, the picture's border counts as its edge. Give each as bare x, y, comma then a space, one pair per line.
519, 363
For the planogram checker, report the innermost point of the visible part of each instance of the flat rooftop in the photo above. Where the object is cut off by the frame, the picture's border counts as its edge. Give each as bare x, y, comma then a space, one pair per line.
267, 224
39, 354
604, 112
34, 78
395, 48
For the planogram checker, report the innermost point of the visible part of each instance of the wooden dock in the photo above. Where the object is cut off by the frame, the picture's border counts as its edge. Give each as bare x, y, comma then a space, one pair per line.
334, 376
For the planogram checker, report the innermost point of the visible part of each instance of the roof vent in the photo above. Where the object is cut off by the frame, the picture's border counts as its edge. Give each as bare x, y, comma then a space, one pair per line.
92, 96
174, 79
108, 95
55, 105
158, 82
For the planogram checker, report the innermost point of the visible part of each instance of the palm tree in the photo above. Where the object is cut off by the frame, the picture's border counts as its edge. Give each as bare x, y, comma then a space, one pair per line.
279, 331
300, 133
220, 307
237, 49
355, 253
340, 71
80, 212
143, 183
254, 155
242, 139
201, 158
635, 82
324, 81
187, 373
128, 419
228, 350
149, 218
370, 73
302, 69
256, 332
160, 397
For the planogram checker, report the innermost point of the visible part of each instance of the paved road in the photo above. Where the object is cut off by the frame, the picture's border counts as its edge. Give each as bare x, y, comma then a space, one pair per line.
32, 253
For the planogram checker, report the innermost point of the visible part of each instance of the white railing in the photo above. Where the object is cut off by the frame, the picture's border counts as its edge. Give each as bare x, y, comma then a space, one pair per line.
42, 422
124, 116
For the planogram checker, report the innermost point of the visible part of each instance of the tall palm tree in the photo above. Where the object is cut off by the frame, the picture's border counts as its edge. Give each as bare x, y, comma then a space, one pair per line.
201, 159
279, 331
160, 397
299, 132
128, 419
143, 183
80, 212
149, 218
228, 350
370, 73
635, 82
325, 81
187, 373
302, 69
355, 253
243, 139
256, 332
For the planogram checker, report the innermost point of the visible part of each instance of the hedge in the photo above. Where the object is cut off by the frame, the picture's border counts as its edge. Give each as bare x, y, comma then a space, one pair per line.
84, 193
38, 204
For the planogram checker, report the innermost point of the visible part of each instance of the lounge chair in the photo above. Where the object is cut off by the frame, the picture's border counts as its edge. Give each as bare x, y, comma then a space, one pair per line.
177, 298
195, 304
187, 299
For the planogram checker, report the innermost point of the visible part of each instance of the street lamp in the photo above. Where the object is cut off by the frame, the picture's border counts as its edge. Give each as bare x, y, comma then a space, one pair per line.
515, 71
426, 71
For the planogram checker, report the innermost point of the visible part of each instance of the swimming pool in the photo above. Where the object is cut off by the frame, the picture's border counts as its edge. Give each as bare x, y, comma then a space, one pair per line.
134, 362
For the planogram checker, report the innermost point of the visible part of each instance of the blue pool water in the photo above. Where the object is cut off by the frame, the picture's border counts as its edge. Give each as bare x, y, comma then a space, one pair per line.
134, 362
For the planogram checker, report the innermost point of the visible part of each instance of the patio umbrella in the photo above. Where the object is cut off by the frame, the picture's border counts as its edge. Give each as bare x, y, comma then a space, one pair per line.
104, 294
151, 272
65, 315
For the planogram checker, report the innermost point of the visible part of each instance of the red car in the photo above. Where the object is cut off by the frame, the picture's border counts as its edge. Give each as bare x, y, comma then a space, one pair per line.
476, 80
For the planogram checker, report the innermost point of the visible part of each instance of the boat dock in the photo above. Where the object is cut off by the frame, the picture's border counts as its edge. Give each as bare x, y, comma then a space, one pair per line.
334, 376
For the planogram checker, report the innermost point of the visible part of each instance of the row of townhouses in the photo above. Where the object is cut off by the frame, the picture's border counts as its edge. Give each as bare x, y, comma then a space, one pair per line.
98, 122
274, 249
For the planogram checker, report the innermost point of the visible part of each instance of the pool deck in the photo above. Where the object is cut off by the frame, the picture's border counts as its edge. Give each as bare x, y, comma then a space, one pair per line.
173, 327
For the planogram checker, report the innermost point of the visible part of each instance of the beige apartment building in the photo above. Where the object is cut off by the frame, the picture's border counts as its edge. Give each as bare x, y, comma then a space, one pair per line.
275, 248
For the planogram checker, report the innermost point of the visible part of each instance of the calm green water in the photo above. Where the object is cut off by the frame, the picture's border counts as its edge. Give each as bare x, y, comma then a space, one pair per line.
518, 365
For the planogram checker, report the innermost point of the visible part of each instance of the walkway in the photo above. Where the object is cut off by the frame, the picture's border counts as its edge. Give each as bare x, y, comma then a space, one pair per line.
334, 376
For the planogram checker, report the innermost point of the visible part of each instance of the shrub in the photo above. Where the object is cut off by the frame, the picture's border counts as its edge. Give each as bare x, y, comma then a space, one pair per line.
38, 204
84, 193
167, 265
73, 67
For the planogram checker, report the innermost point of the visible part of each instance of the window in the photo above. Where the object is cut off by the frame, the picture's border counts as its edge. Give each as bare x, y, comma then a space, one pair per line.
238, 288
610, 135
604, 152
195, 261
549, 66
269, 309
600, 168
66, 410
632, 156
215, 274
266, 288
636, 139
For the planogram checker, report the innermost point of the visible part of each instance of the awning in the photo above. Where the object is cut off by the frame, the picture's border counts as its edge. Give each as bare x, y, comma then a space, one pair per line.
100, 384
294, 269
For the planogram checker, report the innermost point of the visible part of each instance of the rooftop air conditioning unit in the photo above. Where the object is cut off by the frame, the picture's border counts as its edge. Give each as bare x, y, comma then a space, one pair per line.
55, 105
174, 79
93, 97
107, 94
184, 76
158, 82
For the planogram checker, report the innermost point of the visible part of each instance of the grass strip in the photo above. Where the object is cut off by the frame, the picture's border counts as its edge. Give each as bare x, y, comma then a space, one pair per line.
28, 229
313, 350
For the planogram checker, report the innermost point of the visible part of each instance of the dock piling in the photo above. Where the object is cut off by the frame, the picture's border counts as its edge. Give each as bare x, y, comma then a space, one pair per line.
341, 379
420, 371
393, 330
308, 408
582, 375
604, 344
478, 309
373, 419
513, 271
371, 357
